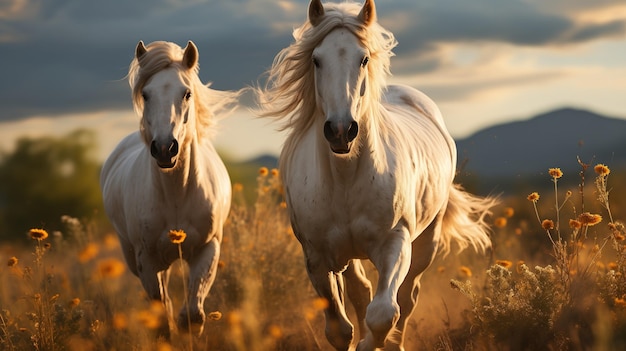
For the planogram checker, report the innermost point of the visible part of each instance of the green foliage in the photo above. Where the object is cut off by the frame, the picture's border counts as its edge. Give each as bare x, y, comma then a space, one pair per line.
45, 178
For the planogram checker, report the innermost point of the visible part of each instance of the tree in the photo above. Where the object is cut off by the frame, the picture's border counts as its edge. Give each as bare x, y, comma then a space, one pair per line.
46, 178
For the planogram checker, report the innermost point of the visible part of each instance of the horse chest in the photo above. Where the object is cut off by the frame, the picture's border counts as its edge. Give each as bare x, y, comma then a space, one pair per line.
345, 218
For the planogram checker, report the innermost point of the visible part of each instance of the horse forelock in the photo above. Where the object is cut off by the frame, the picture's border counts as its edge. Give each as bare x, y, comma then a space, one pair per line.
162, 55
289, 94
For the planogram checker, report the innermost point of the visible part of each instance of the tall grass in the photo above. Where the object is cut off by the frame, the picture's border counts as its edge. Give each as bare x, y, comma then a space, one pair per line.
71, 290
577, 301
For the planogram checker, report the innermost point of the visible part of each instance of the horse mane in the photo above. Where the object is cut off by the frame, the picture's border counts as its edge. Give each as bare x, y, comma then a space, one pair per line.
209, 103
289, 93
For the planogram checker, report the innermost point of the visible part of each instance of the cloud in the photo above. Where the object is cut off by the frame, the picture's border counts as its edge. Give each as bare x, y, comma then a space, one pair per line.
68, 56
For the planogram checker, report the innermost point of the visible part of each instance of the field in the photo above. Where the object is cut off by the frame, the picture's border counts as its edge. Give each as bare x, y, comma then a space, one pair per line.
555, 279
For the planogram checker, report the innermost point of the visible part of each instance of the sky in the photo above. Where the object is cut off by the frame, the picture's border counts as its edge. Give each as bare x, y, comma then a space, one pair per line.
484, 62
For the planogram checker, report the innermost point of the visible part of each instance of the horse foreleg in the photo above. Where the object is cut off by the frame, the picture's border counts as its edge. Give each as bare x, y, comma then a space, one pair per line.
329, 285
424, 248
392, 260
359, 290
202, 271
155, 284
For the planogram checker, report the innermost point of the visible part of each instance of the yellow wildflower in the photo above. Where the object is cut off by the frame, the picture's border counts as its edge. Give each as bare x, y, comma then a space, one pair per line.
534, 197
74, 302
38, 234
275, 172
177, 236
555, 173
602, 170
263, 171
12, 261
574, 224
500, 222
88, 253
589, 219
110, 268
320, 303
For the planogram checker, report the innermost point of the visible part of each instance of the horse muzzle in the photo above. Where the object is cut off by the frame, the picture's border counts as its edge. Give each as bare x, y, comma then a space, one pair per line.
340, 135
165, 154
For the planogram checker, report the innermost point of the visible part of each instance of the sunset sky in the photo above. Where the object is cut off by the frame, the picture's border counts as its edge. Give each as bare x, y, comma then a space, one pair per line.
485, 62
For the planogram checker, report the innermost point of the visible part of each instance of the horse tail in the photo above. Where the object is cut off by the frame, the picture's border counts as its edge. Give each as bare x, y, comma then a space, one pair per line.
464, 220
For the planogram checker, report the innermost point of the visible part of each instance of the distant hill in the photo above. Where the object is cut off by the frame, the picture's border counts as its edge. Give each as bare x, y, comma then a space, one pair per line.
552, 139
517, 155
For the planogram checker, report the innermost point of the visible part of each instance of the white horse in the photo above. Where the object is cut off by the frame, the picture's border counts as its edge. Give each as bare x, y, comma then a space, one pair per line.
168, 176
368, 170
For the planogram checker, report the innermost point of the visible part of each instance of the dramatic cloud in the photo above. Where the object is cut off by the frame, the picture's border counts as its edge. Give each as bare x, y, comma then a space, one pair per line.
70, 56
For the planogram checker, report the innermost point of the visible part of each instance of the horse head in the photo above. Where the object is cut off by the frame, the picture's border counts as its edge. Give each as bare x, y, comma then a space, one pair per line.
167, 99
340, 63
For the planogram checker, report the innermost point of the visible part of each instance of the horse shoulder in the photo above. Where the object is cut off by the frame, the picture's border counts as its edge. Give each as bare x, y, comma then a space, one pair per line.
119, 181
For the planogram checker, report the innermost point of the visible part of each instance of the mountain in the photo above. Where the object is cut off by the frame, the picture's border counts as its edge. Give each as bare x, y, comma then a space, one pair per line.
515, 157
553, 139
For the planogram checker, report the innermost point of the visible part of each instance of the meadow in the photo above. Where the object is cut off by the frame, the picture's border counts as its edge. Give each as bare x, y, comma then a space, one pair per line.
555, 279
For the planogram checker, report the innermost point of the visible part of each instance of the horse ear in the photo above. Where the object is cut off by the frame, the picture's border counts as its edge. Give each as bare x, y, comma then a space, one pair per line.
368, 12
190, 57
316, 12
140, 50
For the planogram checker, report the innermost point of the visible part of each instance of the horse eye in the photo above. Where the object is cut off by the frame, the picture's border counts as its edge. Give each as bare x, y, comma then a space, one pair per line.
364, 61
187, 95
316, 62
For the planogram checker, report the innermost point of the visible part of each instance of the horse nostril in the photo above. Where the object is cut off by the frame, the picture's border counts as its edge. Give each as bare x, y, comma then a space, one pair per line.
353, 130
173, 148
154, 149
329, 133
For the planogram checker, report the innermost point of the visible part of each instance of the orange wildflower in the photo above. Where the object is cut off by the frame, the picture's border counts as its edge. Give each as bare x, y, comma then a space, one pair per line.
263, 171
534, 197
12, 261
602, 170
237, 187
88, 253
547, 224
500, 222
574, 224
110, 268
555, 173
589, 219
38, 234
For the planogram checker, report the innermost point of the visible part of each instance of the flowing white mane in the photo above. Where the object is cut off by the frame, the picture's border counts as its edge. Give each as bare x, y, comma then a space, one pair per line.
289, 94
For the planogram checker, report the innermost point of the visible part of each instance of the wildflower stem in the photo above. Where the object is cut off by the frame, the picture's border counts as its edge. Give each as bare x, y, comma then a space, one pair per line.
182, 272
556, 208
